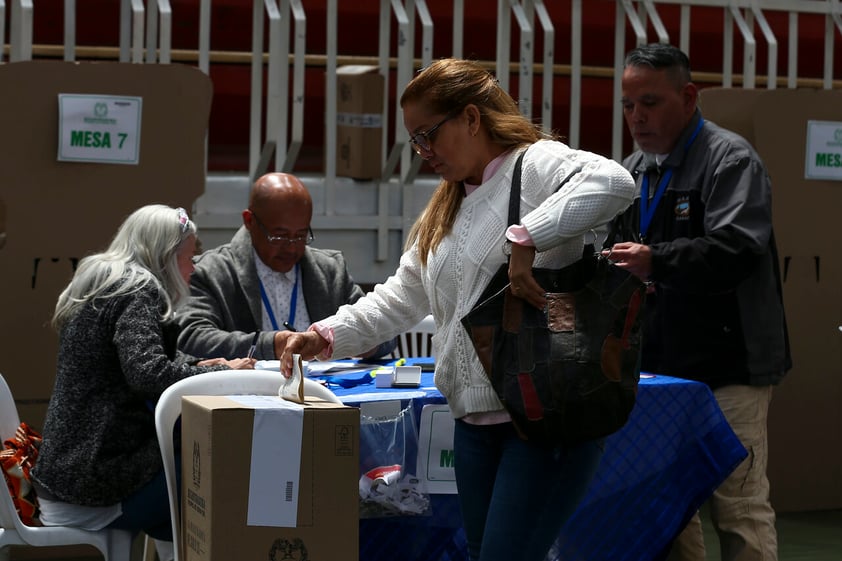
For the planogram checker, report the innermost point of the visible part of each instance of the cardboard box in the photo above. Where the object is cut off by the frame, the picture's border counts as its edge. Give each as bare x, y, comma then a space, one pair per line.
359, 120
264, 478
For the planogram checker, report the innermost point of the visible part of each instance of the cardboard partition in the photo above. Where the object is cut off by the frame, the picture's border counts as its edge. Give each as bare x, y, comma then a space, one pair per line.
239, 451
805, 418
52, 213
359, 114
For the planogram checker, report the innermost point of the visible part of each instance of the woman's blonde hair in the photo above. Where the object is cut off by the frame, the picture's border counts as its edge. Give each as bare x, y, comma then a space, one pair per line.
449, 85
144, 250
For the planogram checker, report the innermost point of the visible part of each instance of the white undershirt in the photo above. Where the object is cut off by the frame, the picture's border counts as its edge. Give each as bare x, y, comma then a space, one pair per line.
93, 518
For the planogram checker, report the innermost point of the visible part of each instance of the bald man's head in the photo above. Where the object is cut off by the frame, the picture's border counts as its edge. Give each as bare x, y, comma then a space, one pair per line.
278, 219
275, 189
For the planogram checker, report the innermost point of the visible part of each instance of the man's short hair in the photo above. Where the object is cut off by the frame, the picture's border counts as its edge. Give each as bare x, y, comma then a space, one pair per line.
661, 56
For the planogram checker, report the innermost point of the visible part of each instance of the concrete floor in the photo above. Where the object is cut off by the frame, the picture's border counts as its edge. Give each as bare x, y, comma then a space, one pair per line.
802, 536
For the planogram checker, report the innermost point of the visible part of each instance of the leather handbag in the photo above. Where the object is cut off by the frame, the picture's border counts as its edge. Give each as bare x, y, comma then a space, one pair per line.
567, 373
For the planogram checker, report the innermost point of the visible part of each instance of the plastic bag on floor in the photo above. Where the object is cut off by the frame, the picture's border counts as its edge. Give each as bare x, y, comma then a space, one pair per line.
388, 446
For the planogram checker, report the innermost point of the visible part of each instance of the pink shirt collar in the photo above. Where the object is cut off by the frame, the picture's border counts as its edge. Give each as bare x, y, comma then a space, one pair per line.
490, 170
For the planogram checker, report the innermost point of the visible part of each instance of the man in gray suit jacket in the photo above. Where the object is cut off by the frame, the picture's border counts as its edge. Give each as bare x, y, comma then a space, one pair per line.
267, 280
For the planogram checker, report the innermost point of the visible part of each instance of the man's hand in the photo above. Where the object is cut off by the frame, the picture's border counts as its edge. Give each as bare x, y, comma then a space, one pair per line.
634, 257
287, 343
233, 364
523, 284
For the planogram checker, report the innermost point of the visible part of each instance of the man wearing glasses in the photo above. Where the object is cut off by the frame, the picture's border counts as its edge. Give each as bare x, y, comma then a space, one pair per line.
267, 280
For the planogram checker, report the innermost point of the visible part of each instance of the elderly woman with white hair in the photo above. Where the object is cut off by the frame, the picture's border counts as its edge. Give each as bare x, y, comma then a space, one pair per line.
99, 465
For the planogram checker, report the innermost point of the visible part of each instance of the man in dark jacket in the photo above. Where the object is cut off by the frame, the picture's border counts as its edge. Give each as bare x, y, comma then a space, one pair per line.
703, 237
266, 280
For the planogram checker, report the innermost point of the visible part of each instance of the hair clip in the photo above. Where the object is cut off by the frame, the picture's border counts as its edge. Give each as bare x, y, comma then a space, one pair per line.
183, 219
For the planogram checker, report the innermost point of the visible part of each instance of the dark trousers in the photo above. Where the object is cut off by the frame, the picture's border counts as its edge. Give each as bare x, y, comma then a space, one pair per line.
516, 496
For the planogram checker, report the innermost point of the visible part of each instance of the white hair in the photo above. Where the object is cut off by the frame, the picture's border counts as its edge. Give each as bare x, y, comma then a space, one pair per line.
144, 250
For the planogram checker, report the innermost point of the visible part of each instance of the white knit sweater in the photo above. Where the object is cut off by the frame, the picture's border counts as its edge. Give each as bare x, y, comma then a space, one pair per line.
457, 272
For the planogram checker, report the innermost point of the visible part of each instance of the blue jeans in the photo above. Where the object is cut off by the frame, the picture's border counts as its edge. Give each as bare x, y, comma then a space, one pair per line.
516, 496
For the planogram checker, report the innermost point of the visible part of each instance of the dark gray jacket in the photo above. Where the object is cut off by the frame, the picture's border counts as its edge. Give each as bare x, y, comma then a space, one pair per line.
716, 314
225, 309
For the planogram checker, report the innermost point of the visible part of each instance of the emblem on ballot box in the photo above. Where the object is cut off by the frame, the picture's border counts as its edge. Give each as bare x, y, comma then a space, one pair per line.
197, 465
288, 549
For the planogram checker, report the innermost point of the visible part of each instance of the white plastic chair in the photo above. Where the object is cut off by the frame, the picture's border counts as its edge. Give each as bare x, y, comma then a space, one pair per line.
417, 341
226, 382
115, 545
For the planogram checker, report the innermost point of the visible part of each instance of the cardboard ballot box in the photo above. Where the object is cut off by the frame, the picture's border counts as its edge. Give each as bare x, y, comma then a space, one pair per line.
265, 478
359, 121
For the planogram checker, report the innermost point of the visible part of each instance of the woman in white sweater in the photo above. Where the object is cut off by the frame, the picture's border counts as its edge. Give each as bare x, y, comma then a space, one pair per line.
471, 132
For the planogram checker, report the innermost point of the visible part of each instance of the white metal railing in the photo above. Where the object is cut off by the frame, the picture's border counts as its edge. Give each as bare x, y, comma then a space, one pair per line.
277, 99
146, 29
20, 31
146, 37
742, 14
2, 27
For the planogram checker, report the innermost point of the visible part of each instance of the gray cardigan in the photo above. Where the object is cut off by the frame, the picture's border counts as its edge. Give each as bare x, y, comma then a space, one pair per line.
225, 309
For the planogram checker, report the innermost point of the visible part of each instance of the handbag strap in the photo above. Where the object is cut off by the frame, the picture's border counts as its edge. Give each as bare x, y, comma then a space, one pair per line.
514, 194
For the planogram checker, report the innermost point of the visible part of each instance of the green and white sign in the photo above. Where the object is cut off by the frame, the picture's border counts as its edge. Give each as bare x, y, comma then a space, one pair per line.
435, 463
96, 128
824, 150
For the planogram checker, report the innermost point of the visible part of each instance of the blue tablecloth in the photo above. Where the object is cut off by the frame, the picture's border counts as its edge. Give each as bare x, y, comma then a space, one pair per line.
656, 472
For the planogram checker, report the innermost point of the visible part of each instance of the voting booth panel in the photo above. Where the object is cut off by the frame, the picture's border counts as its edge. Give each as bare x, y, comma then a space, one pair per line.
54, 212
798, 134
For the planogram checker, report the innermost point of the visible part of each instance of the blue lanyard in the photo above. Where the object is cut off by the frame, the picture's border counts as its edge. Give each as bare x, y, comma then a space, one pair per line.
293, 300
646, 211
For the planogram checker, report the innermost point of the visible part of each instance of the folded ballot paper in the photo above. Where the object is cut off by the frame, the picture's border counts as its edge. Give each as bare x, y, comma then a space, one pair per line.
293, 387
